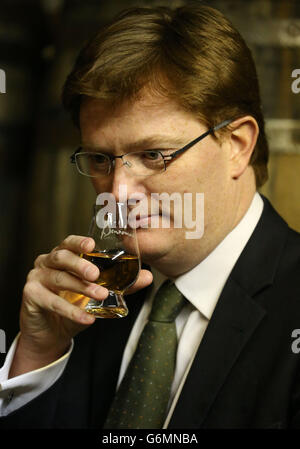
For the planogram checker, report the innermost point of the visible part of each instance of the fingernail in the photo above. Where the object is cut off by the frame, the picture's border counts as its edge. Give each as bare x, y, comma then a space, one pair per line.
91, 272
84, 244
88, 319
100, 292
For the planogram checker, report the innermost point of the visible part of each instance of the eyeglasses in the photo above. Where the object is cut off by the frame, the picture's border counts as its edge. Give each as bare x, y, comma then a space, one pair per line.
140, 163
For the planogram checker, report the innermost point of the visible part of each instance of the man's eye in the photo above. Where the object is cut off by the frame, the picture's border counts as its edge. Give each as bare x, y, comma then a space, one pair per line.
152, 155
97, 158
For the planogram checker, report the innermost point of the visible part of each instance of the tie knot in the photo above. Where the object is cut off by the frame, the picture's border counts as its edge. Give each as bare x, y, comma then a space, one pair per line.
167, 303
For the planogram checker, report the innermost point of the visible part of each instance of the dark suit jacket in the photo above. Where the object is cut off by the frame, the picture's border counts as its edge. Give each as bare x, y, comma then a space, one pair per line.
245, 374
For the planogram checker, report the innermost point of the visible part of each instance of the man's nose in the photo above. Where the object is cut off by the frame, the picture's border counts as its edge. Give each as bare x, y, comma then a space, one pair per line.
124, 184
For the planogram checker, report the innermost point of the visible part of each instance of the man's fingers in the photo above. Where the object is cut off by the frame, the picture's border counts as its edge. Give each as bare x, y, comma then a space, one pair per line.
66, 260
145, 278
57, 280
53, 303
78, 244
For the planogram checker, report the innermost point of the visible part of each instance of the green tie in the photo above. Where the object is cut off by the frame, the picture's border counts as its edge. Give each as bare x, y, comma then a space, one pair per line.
142, 398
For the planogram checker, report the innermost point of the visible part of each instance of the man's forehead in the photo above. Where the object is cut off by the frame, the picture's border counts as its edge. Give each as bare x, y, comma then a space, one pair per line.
134, 137
143, 102
158, 141
144, 117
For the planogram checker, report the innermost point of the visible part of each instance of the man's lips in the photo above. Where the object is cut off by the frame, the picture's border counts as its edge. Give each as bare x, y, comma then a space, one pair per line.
146, 220
147, 216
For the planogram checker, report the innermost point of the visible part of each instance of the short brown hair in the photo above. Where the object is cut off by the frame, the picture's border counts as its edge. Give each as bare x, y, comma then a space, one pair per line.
192, 54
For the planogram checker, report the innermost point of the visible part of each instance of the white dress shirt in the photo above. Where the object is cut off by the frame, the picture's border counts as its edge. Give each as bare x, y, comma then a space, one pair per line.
201, 286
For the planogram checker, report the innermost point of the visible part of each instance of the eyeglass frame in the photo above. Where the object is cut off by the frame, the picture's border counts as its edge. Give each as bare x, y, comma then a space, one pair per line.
166, 158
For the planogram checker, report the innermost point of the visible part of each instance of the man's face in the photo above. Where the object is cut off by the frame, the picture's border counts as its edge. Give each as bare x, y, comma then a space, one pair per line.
156, 123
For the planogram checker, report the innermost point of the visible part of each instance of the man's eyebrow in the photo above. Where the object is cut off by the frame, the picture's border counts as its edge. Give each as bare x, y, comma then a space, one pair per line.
156, 141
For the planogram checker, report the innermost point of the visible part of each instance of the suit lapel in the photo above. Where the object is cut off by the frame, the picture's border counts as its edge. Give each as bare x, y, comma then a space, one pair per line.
233, 322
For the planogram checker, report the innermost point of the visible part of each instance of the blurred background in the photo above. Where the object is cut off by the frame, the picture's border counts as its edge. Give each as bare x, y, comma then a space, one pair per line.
41, 196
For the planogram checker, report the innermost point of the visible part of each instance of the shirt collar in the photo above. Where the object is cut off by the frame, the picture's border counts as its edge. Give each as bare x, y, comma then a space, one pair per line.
202, 285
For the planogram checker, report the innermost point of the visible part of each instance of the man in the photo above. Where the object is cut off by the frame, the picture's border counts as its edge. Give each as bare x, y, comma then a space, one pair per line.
150, 83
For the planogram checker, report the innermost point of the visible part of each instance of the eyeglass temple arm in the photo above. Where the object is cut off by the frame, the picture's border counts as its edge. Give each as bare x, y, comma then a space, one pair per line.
211, 130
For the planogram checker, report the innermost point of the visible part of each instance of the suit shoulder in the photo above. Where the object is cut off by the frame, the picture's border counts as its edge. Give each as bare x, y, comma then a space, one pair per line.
292, 247
287, 278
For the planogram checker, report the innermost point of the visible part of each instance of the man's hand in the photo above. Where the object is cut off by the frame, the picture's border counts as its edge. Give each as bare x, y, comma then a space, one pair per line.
47, 320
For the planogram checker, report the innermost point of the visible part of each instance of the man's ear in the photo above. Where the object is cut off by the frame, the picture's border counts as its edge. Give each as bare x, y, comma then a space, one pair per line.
243, 136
